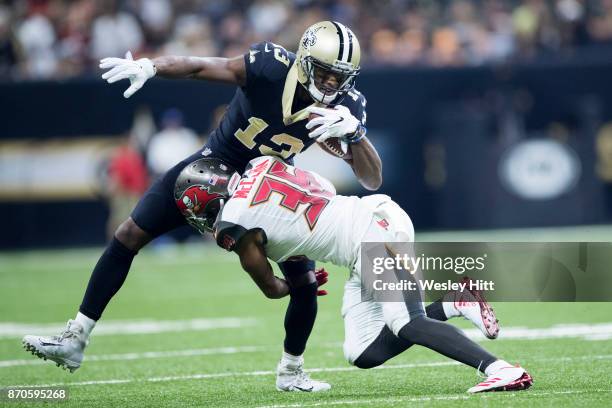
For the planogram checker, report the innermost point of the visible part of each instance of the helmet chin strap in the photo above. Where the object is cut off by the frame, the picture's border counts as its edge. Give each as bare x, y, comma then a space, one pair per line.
319, 96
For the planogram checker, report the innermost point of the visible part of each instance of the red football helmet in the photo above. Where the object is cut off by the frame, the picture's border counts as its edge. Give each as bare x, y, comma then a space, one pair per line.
201, 189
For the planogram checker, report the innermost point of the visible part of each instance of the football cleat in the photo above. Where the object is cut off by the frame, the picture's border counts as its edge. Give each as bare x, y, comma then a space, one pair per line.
507, 378
66, 350
294, 379
472, 305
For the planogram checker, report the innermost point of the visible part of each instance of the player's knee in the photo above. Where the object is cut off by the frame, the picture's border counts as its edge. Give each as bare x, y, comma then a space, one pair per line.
418, 330
396, 316
366, 360
131, 235
306, 280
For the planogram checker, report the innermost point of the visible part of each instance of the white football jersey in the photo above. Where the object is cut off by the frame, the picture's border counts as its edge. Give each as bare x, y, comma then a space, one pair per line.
298, 211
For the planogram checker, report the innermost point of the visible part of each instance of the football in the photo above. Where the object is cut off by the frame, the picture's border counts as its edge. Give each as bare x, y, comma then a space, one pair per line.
333, 145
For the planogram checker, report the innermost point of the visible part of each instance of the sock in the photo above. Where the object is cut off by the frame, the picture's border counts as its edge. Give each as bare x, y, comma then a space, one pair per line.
436, 311
495, 366
291, 360
86, 323
300, 317
449, 309
446, 340
106, 279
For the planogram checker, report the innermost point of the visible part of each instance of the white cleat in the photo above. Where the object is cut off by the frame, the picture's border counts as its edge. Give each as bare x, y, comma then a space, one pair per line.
472, 305
290, 378
66, 350
507, 378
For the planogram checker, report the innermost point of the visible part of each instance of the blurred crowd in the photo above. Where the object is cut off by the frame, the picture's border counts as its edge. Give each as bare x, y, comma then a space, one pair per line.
62, 38
146, 153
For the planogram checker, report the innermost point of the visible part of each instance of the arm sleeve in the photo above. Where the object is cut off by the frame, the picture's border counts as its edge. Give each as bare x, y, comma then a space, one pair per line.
229, 234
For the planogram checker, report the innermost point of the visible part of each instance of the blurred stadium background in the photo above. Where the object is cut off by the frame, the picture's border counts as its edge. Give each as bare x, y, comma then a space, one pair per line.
487, 113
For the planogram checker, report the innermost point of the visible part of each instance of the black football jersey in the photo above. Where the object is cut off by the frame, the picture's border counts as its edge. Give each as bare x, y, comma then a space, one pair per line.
263, 117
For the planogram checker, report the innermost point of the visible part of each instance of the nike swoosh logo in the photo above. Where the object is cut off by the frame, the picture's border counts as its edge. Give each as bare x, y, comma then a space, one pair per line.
303, 389
44, 343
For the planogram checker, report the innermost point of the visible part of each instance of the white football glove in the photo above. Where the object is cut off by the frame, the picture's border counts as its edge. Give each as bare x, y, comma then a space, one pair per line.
138, 72
331, 122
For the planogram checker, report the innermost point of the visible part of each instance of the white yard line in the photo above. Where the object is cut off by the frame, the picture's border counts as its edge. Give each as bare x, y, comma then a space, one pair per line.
271, 373
601, 331
165, 354
593, 332
147, 355
432, 398
121, 327
229, 374
598, 331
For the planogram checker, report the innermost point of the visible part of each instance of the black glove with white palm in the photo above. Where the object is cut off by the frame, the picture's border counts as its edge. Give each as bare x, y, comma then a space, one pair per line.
138, 72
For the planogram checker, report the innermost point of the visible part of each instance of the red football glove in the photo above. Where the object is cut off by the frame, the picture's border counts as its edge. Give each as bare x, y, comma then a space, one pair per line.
321, 275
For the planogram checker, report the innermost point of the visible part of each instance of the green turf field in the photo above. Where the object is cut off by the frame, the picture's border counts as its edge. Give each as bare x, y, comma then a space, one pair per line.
211, 339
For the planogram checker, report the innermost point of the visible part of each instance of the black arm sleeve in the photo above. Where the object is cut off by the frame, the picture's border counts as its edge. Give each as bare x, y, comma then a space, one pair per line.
228, 234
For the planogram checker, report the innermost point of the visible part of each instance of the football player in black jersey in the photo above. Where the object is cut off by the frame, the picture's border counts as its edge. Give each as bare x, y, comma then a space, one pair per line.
268, 115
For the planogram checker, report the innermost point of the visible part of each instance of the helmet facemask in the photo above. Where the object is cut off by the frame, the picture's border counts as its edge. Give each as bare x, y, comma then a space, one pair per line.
204, 221
317, 72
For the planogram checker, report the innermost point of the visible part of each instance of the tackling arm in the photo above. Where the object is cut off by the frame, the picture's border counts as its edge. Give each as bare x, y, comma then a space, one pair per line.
253, 259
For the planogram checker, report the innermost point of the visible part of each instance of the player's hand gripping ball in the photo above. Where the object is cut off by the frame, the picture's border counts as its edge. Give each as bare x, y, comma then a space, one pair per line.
333, 145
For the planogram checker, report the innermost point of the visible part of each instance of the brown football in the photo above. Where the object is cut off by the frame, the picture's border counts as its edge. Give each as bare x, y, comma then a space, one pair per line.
332, 145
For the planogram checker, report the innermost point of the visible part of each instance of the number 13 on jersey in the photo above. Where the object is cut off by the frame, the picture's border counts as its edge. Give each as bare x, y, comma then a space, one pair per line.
256, 126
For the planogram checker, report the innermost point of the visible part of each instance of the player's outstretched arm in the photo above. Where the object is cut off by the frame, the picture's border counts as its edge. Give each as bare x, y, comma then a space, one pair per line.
227, 70
253, 259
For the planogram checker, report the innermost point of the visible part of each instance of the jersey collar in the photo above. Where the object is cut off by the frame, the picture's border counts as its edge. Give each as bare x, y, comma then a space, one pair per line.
291, 82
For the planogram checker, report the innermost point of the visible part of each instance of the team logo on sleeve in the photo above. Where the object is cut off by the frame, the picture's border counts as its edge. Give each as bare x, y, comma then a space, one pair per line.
383, 223
228, 242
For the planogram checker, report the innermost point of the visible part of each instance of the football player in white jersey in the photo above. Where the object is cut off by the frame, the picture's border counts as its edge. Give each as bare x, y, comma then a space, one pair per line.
279, 212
